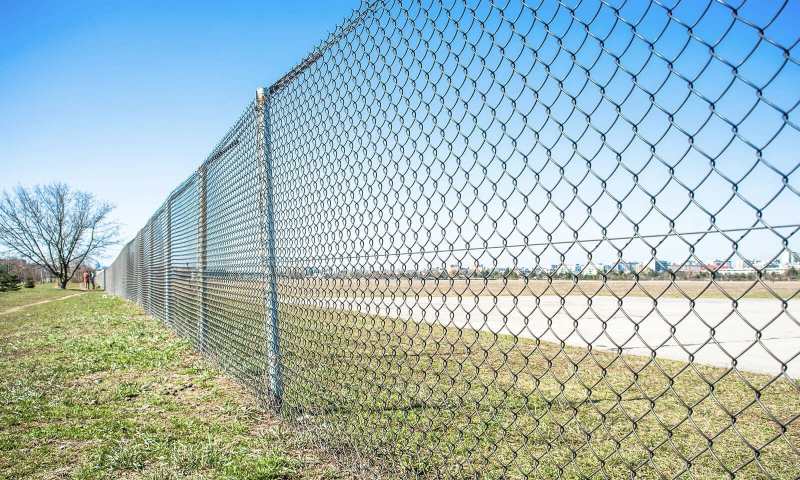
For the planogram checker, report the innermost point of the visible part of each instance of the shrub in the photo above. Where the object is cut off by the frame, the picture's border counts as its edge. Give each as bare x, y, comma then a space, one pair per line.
28, 283
8, 279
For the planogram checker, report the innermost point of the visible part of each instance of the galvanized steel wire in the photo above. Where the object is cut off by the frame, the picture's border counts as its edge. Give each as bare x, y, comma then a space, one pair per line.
500, 239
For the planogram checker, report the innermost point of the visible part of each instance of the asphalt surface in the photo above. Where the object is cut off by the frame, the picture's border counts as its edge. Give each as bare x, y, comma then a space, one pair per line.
759, 335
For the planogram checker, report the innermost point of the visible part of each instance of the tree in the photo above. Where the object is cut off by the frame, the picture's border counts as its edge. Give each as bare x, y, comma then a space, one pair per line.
24, 269
8, 280
56, 227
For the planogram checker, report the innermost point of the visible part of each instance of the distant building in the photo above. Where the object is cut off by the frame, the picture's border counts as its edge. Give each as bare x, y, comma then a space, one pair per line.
721, 265
740, 266
774, 264
790, 259
561, 269
662, 266
590, 270
615, 268
692, 266
632, 267
785, 262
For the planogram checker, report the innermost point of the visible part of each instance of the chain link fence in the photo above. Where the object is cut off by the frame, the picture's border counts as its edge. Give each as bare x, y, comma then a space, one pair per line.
506, 239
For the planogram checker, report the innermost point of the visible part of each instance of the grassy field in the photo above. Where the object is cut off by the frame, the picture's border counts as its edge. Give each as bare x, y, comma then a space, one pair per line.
92, 389
430, 402
694, 289
26, 296
461, 404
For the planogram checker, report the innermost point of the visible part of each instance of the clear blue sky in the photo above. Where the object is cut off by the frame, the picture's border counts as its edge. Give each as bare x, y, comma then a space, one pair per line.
126, 99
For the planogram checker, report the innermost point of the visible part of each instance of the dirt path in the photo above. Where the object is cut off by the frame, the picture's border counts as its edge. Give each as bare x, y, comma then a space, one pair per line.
16, 309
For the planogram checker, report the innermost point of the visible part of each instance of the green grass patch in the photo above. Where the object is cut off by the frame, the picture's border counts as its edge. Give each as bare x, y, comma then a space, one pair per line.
420, 400
457, 403
26, 296
92, 389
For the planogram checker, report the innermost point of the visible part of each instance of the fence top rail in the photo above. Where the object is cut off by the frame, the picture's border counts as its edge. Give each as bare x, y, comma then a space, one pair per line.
348, 25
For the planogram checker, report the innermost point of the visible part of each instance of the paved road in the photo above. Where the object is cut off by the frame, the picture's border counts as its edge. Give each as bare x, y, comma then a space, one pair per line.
713, 331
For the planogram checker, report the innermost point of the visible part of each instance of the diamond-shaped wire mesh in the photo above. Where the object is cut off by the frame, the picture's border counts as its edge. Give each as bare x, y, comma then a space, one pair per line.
502, 239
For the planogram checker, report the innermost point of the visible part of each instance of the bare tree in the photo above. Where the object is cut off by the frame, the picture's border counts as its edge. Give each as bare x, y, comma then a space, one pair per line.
56, 227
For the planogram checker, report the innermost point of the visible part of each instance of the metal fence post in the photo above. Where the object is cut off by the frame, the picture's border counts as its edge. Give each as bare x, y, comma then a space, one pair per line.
168, 263
150, 266
267, 247
139, 266
201, 259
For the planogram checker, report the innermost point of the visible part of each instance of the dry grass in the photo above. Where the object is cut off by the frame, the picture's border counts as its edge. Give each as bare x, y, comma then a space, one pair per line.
693, 289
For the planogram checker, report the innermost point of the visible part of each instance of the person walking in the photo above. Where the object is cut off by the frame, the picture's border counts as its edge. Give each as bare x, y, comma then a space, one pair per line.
91, 279
86, 279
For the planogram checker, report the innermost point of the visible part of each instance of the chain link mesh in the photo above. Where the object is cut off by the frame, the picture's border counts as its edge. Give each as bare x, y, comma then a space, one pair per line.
506, 239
